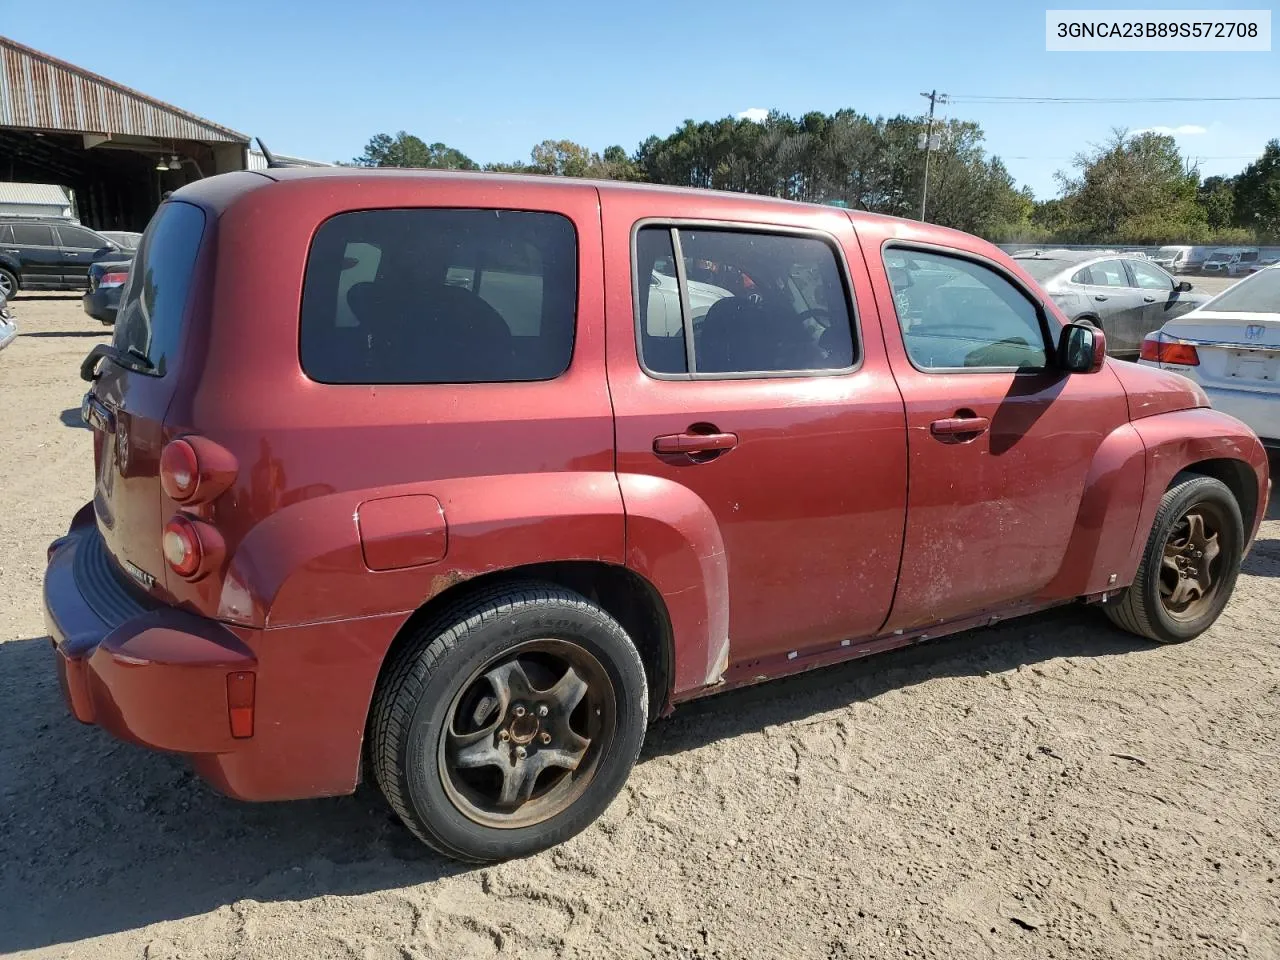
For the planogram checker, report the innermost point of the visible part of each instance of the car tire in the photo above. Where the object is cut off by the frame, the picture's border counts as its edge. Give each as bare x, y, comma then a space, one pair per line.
1152, 606
472, 736
8, 284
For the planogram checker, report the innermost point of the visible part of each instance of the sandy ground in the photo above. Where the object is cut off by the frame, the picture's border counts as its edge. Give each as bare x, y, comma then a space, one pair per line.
1050, 788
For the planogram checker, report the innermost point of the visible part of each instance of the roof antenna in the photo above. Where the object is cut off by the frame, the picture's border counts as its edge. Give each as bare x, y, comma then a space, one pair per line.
272, 162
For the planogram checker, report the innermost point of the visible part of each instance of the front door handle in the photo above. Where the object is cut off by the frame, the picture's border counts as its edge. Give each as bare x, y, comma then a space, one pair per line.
1100, 297
695, 442
959, 426
1149, 299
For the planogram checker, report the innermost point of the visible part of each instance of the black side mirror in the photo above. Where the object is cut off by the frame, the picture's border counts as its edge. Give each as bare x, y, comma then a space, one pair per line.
1082, 348
1184, 286
655, 280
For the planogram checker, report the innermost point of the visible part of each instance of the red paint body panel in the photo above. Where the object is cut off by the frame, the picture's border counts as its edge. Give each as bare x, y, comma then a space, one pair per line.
399, 532
838, 525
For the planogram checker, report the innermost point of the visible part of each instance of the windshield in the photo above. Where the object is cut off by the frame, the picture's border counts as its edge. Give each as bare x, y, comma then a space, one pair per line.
1259, 293
1042, 268
153, 303
1168, 252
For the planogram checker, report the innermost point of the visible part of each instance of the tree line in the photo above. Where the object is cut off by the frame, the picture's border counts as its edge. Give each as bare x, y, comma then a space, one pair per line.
1132, 189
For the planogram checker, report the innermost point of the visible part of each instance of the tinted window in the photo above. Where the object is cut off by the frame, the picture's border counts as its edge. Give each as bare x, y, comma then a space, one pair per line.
440, 296
955, 313
6, 233
757, 303
1109, 273
1082, 276
80, 238
33, 235
1149, 277
662, 342
153, 302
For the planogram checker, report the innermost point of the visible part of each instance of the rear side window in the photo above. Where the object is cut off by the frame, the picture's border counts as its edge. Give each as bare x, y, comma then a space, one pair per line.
153, 303
32, 235
440, 296
716, 303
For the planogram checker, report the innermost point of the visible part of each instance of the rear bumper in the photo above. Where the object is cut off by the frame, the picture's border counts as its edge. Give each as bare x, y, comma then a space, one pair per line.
1260, 412
156, 676
101, 304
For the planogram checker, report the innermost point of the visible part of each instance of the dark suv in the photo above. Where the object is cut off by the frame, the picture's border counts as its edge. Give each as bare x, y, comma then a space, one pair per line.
38, 253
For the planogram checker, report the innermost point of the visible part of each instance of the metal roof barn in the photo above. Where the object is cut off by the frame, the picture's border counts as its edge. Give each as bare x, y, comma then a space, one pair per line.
35, 200
118, 150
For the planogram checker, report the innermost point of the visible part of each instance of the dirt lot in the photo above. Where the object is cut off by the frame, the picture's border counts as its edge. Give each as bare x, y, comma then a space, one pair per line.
1050, 788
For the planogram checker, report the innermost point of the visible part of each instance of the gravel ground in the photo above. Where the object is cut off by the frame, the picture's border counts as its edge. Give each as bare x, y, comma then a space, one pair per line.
1048, 788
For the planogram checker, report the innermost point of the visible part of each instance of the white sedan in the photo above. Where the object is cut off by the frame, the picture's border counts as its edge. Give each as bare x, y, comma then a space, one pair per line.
1231, 347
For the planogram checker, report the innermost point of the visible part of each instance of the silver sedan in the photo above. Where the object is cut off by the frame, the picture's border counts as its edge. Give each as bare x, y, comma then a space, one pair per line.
1126, 296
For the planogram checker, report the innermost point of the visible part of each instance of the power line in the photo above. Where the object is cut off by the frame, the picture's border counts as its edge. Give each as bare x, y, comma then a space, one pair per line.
1243, 156
983, 98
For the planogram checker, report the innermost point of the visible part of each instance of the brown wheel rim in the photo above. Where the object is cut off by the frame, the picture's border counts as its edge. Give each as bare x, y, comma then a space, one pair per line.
526, 733
1193, 566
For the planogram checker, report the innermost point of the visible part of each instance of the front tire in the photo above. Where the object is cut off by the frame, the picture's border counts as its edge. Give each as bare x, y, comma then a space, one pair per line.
1190, 564
509, 723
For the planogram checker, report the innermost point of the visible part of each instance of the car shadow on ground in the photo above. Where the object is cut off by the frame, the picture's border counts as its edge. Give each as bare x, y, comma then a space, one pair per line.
71, 417
67, 333
132, 838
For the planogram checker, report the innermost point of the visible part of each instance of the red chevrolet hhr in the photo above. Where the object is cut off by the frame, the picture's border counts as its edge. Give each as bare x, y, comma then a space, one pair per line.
459, 479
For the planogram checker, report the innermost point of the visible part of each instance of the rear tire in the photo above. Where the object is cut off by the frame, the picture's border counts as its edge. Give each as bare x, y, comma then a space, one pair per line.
8, 284
1181, 587
508, 723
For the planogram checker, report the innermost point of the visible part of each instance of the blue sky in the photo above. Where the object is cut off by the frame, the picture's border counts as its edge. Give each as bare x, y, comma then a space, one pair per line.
493, 79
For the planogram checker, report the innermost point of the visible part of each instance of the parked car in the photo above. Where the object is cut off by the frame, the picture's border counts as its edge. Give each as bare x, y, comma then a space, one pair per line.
1174, 258
1230, 261
1231, 348
102, 299
467, 524
1126, 296
126, 240
50, 254
8, 326
1261, 265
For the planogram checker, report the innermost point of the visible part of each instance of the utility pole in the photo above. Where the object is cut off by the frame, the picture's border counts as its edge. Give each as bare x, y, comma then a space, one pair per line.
934, 98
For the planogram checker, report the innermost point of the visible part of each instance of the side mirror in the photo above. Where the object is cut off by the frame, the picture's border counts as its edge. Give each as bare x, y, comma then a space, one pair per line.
1184, 286
1082, 348
655, 280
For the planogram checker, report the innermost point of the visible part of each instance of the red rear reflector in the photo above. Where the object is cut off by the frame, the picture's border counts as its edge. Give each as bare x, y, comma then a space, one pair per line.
240, 691
113, 279
179, 470
181, 546
1156, 349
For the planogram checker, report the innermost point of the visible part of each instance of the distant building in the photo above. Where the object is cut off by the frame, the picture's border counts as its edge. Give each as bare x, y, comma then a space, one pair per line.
112, 151
36, 200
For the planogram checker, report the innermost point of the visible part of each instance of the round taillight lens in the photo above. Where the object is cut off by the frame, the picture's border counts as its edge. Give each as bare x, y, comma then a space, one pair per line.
179, 470
182, 550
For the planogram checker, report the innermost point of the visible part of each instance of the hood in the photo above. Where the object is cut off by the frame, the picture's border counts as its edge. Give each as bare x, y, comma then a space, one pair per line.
1151, 391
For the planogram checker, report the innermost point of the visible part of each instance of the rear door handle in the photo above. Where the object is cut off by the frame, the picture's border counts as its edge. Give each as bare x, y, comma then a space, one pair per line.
958, 426
1149, 299
1099, 297
694, 442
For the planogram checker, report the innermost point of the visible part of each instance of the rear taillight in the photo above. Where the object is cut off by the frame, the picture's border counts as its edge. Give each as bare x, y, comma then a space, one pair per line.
191, 547
113, 279
194, 470
1160, 349
182, 549
179, 470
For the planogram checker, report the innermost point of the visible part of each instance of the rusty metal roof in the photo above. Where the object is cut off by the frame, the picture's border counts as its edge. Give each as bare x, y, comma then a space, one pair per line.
40, 92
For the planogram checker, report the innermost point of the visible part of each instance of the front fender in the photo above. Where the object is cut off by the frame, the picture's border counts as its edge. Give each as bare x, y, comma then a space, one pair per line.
305, 563
674, 542
1176, 441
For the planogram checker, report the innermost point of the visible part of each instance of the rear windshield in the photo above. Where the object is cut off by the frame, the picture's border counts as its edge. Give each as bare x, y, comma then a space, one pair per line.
1259, 293
1041, 268
149, 320
440, 296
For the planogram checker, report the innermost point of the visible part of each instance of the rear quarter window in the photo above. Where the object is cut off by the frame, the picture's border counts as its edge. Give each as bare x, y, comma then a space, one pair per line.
153, 303
440, 296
